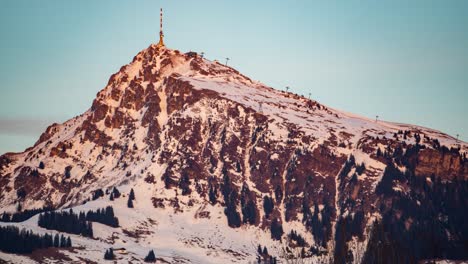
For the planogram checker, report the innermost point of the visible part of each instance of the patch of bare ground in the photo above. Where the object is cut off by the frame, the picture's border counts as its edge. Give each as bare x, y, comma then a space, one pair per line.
55, 254
236, 254
141, 231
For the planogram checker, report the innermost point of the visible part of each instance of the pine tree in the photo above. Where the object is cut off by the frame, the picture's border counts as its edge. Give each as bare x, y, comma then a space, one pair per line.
267, 205
116, 193
151, 257
109, 255
265, 251
276, 229
41, 165
249, 212
63, 241
111, 197
184, 184
5, 217
212, 195
132, 195
259, 249
69, 243
56, 240
129, 203
90, 229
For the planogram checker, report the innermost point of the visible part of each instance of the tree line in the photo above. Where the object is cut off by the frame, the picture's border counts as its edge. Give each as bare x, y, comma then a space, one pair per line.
104, 216
66, 221
80, 224
14, 240
23, 215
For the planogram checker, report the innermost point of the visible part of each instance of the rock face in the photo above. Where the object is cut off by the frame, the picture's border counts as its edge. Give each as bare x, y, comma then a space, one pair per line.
447, 165
272, 159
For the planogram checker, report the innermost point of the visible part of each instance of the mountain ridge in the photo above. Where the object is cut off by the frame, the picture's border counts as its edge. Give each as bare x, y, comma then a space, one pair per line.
189, 133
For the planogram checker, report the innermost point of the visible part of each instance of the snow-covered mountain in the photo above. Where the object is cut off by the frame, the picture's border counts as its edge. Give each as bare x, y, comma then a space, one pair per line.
218, 160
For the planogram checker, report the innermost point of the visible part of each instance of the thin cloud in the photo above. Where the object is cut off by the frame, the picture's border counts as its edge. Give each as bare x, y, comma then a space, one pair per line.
23, 126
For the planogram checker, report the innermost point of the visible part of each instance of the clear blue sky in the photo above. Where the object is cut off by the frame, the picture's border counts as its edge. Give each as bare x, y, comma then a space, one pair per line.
405, 61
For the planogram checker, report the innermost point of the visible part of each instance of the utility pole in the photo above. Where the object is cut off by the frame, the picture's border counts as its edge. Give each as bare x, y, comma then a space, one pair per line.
227, 59
309, 95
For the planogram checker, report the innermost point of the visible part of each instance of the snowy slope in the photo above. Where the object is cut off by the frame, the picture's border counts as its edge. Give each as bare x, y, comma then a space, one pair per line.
168, 114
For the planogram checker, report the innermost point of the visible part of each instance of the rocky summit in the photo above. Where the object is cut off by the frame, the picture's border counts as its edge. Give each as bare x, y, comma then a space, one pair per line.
204, 165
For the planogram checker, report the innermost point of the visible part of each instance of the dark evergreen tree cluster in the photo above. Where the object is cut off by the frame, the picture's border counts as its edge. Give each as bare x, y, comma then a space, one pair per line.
151, 257
378, 153
23, 215
320, 228
405, 159
249, 211
294, 236
342, 235
347, 167
21, 193
268, 205
168, 180
360, 168
437, 212
346, 228
263, 257
184, 184
230, 199
382, 248
306, 213
115, 193
97, 194
13, 240
248, 206
68, 171
212, 194
317, 227
109, 254
104, 216
66, 221
276, 229
212, 190
131, 198
278, 194
385, 186
35, 173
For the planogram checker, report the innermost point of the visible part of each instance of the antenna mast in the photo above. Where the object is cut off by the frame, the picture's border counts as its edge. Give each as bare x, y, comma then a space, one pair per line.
161, 34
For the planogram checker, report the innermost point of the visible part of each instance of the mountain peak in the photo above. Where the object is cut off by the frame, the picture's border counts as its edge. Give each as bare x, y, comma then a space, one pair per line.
197, 138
